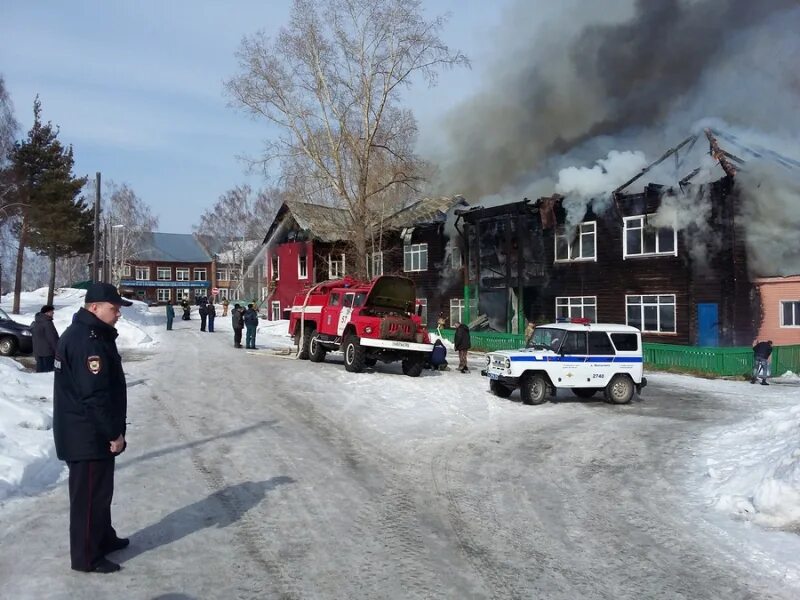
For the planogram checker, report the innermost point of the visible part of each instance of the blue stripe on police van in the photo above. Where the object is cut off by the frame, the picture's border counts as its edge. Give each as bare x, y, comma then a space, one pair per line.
577, 359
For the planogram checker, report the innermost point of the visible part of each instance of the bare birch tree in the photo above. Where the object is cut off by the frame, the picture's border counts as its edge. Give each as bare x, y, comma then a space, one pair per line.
125, 220
332, 82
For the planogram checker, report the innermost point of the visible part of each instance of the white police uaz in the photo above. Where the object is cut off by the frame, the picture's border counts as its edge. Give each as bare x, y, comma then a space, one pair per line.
583, 357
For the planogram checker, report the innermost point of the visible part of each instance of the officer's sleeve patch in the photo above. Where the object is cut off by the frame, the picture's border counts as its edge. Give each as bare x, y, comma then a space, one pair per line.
93, 364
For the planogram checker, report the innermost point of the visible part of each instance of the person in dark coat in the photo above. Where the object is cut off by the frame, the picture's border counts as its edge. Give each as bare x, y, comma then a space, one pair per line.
251, 324
90, 406
761, 353
187, 309
238, 324
462, 343
45, 339
170, 315
438, 358
212, 314
203, 310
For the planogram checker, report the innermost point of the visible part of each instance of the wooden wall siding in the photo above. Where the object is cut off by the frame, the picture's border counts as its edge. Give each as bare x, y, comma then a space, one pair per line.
440, 282
722, 279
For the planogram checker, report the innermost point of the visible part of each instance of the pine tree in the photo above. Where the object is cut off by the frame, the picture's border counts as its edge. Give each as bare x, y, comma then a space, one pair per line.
51, 220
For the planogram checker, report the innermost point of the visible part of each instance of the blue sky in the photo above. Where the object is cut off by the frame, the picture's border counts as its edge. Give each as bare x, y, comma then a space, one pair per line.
137, 88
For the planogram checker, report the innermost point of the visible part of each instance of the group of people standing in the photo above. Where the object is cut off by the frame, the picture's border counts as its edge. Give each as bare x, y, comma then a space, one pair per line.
242, 319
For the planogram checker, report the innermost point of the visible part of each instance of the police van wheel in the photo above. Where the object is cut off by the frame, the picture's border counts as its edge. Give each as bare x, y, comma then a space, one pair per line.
619, 390
316, 351
534, 389
498, 389
584, 392
7, 346
354, 354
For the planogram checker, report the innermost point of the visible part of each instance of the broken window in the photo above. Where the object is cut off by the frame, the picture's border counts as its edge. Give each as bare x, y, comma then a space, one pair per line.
642, 239
577, 244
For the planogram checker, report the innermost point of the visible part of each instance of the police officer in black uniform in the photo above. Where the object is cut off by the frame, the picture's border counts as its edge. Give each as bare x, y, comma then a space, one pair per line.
89, 411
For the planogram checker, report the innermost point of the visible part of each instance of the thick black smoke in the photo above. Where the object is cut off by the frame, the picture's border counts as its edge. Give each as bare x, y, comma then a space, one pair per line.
624, 75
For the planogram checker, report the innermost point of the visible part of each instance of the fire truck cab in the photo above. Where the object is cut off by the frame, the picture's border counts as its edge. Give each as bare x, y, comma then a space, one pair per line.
366, 321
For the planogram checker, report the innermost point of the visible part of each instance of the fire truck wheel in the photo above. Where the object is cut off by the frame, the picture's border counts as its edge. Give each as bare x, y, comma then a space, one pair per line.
354, 354
316, 351
306, 342
413, 367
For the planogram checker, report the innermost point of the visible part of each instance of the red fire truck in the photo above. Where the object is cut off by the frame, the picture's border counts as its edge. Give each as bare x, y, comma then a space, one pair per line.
367, 321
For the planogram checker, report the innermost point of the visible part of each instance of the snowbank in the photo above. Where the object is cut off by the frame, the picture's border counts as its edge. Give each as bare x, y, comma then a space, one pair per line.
28, 460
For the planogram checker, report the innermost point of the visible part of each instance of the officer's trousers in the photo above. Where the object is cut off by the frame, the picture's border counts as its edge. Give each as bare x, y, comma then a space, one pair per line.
91, 488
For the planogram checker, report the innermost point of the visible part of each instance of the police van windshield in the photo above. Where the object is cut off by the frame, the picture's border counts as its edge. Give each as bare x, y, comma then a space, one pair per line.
546, 338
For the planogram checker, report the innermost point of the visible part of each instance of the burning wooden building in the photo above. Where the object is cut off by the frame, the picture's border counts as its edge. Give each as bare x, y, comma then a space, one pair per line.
630, 257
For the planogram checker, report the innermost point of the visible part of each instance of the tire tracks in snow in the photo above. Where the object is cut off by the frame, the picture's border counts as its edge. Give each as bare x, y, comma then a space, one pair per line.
247, 533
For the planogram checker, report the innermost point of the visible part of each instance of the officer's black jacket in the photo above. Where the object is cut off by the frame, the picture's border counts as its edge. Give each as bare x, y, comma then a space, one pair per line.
90, 400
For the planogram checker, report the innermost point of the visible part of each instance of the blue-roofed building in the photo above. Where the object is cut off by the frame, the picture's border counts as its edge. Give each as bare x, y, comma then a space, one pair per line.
169, 266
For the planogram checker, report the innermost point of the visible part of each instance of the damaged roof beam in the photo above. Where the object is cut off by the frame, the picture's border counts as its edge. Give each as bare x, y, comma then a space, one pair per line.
667, 154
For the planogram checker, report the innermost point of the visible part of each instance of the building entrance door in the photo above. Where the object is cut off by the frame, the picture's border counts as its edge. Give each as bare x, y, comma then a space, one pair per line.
708, 324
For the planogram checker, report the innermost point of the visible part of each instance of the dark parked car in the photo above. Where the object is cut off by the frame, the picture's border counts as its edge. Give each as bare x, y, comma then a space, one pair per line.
14, 337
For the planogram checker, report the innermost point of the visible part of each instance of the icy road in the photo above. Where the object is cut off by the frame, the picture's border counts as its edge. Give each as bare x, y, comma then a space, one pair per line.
249, 475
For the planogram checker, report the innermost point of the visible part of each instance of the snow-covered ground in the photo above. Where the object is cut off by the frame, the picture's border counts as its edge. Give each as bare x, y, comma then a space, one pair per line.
748, 469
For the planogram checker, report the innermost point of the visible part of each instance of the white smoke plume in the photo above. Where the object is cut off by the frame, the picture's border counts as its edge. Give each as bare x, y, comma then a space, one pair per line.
582, 186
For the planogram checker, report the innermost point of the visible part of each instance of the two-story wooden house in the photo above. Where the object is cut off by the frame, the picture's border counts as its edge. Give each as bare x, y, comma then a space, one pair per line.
307, 244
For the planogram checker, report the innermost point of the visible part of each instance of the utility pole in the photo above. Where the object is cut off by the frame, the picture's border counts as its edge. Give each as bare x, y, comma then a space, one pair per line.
96, 226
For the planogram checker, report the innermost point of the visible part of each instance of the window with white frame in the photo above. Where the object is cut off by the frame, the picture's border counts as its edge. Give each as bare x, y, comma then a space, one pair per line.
577, 244
222, 275
276, 267
182, 274
423, 302
142, 273
199, 292
200, 274
126, 271
163, 294
335, 267
790, 313
652, 313
571, 307
376, 264
458, 310
250, 272
264, 292
641, 239
164, 273
276, 310
415, 257
302, 267
223, 293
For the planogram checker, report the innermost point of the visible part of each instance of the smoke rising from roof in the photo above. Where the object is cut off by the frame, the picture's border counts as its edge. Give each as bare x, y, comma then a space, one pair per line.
632, 75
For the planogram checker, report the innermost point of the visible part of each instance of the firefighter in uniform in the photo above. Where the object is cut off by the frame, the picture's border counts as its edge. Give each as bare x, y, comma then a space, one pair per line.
89, 411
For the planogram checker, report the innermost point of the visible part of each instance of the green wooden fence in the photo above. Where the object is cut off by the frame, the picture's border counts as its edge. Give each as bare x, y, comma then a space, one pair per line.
717, 361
